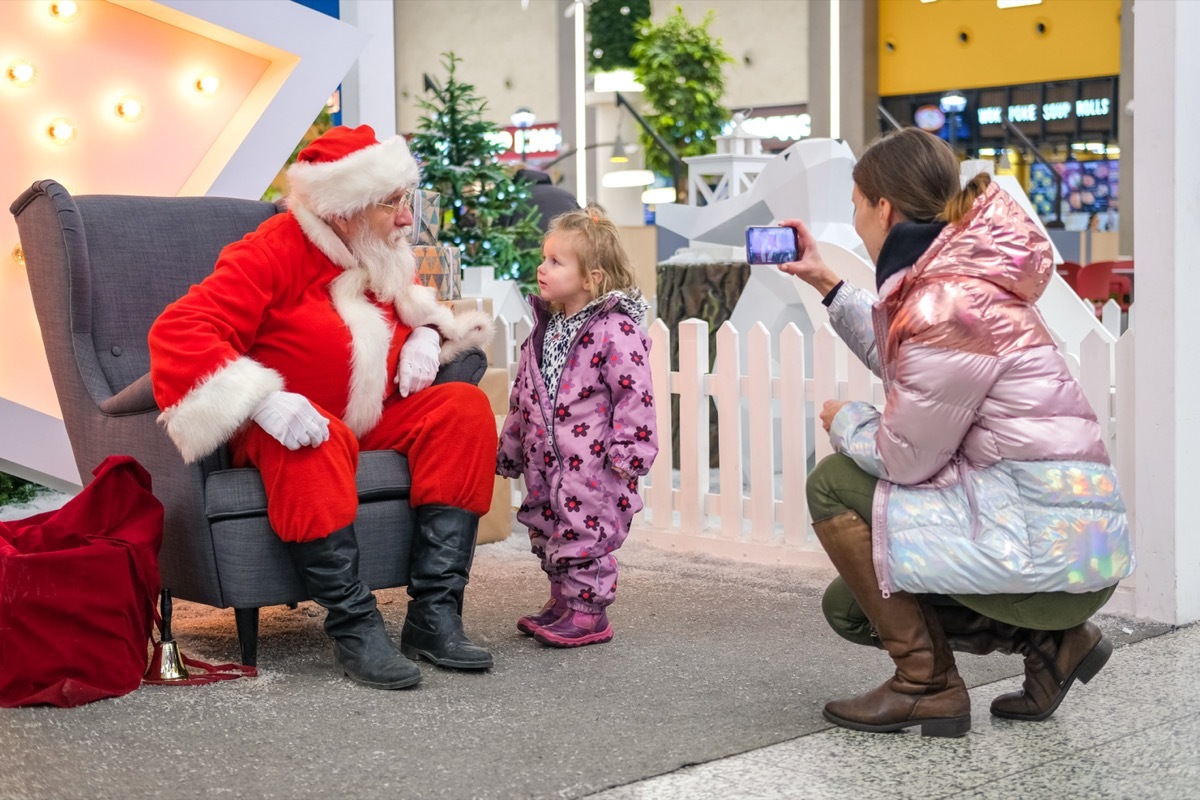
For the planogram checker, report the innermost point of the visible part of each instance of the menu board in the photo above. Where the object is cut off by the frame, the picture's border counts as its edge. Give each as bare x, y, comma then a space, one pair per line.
1087, 186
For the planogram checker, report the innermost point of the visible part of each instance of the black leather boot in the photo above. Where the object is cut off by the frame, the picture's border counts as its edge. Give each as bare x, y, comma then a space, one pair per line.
442, 549
361, 647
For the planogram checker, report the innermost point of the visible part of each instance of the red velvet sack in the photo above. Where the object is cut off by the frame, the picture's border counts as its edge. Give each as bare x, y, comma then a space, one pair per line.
77, 592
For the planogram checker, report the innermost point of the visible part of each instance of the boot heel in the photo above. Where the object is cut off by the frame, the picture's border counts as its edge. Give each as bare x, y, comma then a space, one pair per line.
1094, 661
948, 728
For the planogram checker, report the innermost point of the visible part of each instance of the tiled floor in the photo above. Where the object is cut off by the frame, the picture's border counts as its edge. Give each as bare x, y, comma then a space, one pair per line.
1133, 732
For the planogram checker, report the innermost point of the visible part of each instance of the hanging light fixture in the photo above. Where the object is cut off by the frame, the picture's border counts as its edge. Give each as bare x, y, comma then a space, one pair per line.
627, 178
619, 155
659, 194
522, 118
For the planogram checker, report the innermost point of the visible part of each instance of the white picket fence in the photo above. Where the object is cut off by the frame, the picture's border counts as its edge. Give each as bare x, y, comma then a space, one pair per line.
755, 513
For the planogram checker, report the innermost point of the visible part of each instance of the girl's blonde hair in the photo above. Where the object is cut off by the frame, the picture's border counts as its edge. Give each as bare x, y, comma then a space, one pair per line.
597, 247
918, 173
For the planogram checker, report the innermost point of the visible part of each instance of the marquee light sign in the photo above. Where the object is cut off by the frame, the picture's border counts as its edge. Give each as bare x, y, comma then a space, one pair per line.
540, 141
1028, 112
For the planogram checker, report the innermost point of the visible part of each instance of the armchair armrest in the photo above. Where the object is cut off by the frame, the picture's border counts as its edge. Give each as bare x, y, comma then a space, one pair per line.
136, 398
467, 367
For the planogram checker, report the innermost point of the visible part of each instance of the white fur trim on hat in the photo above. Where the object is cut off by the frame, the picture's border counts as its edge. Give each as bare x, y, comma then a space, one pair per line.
344, 187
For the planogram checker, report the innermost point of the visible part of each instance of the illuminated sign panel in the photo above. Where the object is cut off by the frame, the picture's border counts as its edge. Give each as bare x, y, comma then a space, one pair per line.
1092, 108
536, 141
1059, 110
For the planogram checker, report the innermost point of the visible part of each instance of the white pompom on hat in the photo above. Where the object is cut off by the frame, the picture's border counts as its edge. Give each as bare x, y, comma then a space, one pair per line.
344, 170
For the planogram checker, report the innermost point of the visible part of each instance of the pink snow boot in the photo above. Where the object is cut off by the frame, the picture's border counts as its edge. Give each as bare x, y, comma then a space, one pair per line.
553, 608
575, 629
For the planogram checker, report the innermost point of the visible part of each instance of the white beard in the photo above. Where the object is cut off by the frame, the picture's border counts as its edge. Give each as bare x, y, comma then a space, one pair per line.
388, 263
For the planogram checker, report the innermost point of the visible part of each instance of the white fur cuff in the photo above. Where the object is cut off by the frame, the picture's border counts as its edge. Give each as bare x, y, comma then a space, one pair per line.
217, 406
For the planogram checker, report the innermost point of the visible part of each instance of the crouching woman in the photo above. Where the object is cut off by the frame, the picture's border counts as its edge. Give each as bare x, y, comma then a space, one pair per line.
979, 511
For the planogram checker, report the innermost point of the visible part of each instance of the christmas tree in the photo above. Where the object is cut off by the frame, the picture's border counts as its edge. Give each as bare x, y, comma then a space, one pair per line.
485, 213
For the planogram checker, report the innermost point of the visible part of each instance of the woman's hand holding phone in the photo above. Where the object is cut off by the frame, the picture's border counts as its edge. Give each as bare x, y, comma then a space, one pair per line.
809, 268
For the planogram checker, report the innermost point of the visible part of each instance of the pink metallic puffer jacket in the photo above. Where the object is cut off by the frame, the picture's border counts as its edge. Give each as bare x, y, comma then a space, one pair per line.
994, 477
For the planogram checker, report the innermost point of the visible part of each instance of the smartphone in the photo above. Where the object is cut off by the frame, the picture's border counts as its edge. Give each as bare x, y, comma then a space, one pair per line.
771, 244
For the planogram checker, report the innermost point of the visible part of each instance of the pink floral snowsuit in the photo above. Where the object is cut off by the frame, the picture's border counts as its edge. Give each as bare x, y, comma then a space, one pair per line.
578, 509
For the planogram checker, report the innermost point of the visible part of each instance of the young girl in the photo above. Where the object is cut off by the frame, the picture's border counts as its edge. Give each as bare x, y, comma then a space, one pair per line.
580, 424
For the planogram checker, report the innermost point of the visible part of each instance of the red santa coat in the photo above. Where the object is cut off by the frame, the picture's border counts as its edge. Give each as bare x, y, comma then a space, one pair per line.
286, 309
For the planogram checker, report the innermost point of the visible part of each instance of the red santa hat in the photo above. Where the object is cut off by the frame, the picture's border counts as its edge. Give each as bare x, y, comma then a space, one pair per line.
344, 170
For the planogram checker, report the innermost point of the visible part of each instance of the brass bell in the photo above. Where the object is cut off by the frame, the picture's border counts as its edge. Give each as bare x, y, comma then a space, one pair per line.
166, 663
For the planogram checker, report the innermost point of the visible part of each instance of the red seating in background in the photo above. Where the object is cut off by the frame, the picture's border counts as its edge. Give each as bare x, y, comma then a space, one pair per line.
1097, 283
1068, 270
1120, 285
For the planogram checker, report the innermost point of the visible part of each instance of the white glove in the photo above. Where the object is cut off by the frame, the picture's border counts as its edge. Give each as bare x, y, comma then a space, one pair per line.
418, 360
292, 420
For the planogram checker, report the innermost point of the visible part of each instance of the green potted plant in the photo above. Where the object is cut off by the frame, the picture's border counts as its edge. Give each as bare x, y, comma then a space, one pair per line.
680, 64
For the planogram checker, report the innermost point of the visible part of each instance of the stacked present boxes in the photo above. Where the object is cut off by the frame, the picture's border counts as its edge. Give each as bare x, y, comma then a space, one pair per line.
438, 266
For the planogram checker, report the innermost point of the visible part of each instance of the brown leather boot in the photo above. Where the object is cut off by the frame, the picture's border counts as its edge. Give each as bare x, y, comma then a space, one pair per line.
1053, 661
926, 689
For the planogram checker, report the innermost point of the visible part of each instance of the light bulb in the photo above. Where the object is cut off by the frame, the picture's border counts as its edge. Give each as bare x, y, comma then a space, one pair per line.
129, 108
18, 255
65, 10
61, 130
21, 72
208, 84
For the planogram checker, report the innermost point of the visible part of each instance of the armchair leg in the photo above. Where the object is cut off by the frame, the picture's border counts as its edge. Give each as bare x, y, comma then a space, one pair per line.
247, 631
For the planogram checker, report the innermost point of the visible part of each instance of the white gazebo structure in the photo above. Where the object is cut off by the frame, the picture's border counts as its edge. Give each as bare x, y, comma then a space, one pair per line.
738, 161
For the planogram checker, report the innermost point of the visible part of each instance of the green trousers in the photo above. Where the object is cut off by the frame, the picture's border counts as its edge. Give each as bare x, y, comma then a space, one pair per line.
838, 485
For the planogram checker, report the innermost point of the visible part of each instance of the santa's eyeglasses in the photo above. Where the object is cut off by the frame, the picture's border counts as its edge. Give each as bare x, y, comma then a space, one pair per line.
403, 201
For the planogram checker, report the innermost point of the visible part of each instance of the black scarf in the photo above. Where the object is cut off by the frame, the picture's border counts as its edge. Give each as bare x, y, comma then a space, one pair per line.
905, 243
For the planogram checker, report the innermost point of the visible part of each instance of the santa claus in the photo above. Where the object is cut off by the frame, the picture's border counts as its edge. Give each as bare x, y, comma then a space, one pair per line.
311, 340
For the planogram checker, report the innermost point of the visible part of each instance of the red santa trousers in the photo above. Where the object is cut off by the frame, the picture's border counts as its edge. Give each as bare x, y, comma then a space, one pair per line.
447, 431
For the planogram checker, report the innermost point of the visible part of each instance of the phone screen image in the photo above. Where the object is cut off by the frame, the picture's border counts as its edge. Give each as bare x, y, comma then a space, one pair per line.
770, 245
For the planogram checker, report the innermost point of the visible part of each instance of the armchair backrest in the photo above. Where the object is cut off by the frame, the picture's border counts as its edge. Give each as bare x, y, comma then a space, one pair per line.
102, 268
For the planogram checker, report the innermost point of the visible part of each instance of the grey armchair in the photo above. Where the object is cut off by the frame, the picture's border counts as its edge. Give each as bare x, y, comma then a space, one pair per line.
101, 268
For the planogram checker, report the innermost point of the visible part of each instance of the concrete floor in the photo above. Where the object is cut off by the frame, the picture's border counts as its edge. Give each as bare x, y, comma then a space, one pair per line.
1133, 732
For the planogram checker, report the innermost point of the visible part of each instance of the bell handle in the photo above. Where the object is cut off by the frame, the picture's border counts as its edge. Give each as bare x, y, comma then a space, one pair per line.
165, 606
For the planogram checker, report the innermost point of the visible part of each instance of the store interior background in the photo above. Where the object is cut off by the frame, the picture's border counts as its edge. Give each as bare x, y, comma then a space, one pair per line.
892, 58
1055, 67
